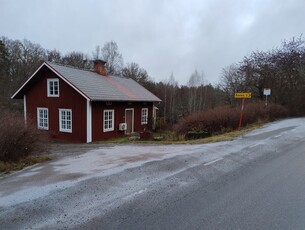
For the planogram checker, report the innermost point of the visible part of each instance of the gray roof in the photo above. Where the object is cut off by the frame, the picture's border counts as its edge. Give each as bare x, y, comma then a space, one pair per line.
96, 87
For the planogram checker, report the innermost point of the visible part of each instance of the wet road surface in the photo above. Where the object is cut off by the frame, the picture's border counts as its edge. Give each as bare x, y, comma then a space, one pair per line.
253, 182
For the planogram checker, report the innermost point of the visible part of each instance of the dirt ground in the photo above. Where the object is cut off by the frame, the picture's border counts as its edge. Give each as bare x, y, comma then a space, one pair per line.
59, 149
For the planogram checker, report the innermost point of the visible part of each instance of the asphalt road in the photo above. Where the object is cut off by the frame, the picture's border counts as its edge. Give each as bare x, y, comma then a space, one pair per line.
254, 182
268, 193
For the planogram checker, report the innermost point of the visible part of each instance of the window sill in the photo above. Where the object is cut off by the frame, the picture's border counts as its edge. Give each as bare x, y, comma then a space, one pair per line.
107, 130
66, 131
42, 128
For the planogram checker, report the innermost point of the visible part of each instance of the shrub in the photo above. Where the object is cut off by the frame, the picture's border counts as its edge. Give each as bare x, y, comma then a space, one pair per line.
226, 118
18, 141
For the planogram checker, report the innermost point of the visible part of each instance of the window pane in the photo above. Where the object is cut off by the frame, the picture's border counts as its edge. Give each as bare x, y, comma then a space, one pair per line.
42, 118
66, 120
53, 87
108, 120
144, 116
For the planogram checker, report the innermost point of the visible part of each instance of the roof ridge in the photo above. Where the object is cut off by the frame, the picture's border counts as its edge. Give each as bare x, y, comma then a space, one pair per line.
88, 70
69, 66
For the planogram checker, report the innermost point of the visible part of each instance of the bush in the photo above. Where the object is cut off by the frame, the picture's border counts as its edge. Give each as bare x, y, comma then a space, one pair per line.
191, 135
226, 118
18, 141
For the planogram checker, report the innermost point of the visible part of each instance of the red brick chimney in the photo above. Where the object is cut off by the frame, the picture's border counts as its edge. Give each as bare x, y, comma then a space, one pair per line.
99, 67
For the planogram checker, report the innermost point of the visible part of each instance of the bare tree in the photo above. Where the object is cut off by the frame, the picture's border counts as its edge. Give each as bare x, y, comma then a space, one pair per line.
281, 69
96, 53
4, 75
133, 71
232, 81
195, 98
195, 79
173, 85
76, 59
110, 54
20, 59
54, 56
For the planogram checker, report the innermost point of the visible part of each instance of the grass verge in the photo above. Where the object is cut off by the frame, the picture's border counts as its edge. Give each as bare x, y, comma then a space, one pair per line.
172, 138
7, 167
228, 136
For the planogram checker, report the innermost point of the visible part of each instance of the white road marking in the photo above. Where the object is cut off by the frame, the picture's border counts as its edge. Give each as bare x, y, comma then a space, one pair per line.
252, 146
277, 136
212, 162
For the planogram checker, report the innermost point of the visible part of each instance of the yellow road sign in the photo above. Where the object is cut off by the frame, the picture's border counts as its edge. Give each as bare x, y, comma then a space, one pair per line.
242, 95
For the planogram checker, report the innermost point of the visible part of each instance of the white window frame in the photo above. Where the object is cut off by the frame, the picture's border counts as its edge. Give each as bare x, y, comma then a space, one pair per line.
63, 121
51, 93
144, 116
111, 126
43, 122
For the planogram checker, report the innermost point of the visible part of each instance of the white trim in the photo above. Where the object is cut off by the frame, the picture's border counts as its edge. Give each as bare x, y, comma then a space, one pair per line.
38, 118
132, 119
112, 123
66, 130
24, 109
155, 108
146, 120
58, 74
89, 122
65, 80
48, 87
27, 80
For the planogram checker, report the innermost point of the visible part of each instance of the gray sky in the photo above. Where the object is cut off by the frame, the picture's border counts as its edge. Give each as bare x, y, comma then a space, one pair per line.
162, 36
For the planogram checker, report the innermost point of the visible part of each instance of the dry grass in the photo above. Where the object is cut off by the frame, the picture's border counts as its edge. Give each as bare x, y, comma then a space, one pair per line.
229, 135
7, 167
173, 138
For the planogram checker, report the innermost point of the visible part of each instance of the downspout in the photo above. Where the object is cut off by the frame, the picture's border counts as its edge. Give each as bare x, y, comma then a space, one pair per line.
24, 110
89, 121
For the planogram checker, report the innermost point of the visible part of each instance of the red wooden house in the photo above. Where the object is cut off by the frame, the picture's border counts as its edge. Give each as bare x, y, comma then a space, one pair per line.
84, 106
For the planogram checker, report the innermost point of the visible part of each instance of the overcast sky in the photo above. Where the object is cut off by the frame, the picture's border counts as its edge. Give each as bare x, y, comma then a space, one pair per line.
162, 36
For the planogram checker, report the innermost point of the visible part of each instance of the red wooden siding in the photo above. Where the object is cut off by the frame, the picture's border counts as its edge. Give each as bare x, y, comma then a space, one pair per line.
68, 99
119, 117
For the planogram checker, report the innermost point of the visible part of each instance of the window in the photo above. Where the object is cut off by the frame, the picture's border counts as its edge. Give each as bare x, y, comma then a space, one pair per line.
144, 116
53, 88
42, 118
108, 120
65, 120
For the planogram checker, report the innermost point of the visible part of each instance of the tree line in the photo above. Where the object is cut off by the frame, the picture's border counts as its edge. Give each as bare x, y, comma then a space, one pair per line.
282, 69
19, 60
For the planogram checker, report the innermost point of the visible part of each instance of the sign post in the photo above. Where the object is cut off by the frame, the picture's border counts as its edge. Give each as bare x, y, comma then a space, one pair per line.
241, 113
242, 96
267, 92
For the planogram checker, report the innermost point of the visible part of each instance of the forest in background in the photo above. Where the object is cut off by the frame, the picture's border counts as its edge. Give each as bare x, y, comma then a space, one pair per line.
282, 69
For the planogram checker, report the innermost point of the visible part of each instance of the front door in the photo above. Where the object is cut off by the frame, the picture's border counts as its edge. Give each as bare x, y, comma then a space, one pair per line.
129, 120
